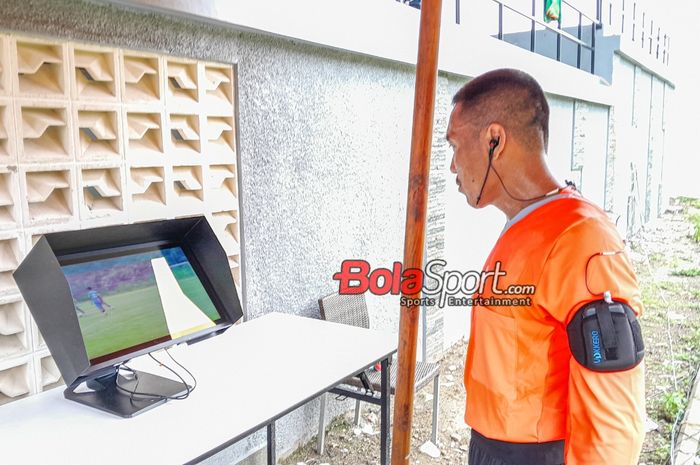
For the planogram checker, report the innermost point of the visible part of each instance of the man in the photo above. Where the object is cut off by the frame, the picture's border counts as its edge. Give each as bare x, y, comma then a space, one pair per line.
559, 379
98, 301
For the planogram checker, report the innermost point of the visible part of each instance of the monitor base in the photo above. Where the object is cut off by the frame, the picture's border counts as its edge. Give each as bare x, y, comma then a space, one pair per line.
106, 396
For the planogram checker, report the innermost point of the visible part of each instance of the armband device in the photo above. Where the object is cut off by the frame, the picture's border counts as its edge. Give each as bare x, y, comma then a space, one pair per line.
605, 335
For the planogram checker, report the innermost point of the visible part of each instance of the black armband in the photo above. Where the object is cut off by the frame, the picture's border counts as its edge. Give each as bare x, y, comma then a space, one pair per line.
606, 336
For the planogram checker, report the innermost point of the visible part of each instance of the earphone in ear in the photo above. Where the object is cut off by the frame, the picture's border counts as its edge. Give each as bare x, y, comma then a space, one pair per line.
492, 146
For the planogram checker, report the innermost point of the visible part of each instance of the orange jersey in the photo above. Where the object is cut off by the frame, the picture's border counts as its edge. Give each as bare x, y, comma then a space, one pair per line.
522, 382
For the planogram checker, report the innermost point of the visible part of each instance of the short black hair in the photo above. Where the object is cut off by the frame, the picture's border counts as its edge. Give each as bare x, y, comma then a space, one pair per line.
510, 97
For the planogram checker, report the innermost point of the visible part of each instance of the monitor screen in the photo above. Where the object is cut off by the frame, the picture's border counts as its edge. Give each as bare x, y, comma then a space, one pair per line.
132, 300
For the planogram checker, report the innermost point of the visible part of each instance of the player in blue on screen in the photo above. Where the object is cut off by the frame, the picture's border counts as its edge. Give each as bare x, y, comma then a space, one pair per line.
98, 301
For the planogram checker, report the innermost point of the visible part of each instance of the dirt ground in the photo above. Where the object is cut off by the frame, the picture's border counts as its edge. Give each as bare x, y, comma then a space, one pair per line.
667, 261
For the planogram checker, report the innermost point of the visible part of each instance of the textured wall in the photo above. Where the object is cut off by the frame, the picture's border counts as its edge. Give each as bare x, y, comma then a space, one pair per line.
638, 142
654, 163
435, 234
560, 154
591, 149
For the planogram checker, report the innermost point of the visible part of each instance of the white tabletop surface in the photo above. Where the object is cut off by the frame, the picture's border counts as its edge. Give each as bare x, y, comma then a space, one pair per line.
249, 374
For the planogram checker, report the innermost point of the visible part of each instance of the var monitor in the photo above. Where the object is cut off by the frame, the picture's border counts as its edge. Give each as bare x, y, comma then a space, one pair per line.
103, 296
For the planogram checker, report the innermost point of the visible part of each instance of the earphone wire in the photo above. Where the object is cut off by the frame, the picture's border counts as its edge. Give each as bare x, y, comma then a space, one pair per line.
493, 145
533, 199
488, 170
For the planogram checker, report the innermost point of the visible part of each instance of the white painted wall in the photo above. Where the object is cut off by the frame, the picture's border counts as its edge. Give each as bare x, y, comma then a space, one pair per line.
595, 128
561, 124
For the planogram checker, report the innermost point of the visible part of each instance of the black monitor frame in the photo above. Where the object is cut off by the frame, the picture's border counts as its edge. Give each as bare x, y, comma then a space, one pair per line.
46, 292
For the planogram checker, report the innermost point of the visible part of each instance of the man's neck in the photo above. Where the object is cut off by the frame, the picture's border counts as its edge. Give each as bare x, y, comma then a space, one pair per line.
535, 193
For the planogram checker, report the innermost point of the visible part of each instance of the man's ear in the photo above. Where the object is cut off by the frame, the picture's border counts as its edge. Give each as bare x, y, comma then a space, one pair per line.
495, 139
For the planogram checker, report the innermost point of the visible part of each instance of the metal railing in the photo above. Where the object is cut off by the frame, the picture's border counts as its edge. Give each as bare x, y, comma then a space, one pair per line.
631, 21
595, 23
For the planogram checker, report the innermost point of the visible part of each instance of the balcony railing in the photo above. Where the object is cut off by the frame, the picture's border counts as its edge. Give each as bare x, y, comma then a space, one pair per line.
558, 30
572, 33
578, 34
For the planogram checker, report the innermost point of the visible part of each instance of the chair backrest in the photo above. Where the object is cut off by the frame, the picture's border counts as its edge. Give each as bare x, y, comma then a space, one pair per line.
345, 309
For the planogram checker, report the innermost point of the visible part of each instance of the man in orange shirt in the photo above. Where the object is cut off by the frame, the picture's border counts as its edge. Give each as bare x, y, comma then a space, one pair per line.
558, 379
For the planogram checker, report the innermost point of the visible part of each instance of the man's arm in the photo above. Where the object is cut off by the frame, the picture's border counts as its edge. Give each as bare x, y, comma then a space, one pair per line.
605, 420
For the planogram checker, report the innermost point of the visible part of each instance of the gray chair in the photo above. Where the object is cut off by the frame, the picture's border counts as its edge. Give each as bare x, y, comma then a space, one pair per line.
352, 310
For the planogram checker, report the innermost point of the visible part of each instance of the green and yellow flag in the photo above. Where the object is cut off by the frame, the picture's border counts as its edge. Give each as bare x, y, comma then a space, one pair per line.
552, 10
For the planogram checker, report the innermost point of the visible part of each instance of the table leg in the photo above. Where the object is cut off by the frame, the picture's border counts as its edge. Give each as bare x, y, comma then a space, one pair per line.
385, 412
271, 450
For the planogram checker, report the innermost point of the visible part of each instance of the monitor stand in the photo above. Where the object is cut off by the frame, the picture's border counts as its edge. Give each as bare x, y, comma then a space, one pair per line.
103, 393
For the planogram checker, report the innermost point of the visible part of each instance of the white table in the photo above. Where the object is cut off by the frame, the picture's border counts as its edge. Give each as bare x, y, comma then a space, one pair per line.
248, 377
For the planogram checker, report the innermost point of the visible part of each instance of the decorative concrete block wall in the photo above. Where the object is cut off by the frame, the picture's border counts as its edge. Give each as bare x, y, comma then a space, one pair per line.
92, 136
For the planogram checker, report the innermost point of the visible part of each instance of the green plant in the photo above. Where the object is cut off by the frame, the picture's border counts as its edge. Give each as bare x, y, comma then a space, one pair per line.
689, 201
672, 403
662, 453
687, 273
695, 220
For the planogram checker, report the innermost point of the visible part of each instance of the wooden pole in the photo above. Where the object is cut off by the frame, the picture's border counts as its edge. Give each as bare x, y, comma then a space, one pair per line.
416, 212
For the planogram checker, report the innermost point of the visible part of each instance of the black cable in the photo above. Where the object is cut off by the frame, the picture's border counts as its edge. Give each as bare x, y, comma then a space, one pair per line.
486, 176
533, 199
134, 392
136, 377
194, 380
182, 380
